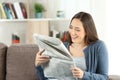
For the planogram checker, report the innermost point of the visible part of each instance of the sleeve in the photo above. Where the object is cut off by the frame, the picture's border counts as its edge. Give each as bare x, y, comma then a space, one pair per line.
40, 73
102, 65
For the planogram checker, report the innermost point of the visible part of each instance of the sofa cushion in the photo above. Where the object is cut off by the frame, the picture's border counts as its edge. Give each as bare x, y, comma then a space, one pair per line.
3, 50
114, 77
20, 62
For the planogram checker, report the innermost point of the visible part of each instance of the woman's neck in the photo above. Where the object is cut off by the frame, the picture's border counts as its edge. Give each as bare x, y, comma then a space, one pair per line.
80, 45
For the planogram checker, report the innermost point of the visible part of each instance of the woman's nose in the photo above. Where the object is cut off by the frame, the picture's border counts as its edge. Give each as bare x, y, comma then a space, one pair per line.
72, 31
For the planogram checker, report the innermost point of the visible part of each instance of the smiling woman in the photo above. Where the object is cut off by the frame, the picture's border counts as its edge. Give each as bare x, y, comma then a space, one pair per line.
88, 52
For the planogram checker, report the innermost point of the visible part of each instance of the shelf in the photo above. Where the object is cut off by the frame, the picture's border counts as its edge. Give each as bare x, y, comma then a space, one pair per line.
34, 19
13, 20
30, 25
48, 19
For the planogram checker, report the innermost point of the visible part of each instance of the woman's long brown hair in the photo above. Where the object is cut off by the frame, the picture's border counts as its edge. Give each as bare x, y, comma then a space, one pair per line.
89, 27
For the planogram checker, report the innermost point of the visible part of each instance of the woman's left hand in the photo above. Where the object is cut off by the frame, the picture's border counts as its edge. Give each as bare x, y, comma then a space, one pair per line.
77, 72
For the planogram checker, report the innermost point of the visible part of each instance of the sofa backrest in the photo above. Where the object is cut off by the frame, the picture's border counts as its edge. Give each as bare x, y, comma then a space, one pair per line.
3, 50
114, 77
20, 62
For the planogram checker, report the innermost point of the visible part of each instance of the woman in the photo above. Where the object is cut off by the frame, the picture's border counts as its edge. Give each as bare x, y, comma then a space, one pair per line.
89, 53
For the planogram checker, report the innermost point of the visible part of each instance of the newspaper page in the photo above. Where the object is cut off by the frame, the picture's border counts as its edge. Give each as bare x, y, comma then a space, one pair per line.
61, 61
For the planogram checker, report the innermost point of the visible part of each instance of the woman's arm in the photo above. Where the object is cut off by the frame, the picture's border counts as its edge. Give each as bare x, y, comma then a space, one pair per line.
40, 59
102, 65
40, 73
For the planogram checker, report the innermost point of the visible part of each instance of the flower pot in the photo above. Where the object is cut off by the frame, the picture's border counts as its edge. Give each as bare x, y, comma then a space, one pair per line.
38, 15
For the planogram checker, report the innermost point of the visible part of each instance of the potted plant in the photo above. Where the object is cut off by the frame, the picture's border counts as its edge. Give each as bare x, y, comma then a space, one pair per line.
39, 8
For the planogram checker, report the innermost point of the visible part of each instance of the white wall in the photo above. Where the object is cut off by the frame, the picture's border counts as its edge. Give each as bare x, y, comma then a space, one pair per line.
113, 39
70, 7
8, 28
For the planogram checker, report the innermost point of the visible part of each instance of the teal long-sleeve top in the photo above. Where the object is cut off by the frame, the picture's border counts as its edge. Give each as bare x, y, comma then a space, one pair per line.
96, 56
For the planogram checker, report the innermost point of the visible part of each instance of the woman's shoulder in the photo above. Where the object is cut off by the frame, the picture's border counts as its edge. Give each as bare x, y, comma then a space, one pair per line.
98, 43
98, 46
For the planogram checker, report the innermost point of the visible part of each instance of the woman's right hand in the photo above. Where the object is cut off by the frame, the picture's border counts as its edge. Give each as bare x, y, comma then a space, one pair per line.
40, 58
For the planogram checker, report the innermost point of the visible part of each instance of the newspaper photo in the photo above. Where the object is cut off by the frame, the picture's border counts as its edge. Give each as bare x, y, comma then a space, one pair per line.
61, 60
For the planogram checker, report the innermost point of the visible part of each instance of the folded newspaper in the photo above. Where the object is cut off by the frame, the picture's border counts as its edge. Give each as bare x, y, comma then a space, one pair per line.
61, 60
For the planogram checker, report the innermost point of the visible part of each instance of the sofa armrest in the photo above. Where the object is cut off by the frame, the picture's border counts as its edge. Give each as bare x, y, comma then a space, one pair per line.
20, 62
114, 77
3, 51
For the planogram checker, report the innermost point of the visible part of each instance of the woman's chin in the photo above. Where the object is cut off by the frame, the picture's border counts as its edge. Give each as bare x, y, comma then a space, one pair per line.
74, 41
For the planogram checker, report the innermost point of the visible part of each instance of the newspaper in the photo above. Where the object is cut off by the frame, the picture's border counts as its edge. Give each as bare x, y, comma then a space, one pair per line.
61, 60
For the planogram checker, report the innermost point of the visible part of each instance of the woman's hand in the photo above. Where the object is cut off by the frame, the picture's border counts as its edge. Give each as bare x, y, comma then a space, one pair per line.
77, 72
40, 58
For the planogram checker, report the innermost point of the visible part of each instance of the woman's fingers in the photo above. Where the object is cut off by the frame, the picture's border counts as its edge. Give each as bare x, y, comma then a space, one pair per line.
77, 72
40, 52
40, 58
40, 61
43, 57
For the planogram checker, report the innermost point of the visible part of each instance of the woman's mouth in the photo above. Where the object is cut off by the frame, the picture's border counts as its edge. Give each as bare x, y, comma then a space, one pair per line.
75, 37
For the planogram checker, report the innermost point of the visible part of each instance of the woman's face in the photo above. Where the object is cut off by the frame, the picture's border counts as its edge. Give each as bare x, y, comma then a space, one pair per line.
77, 31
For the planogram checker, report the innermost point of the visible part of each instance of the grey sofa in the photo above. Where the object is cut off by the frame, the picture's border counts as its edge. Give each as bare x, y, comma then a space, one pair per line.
17, 62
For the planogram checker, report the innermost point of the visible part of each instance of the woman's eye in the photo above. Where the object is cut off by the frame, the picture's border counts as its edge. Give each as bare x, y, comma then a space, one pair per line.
77, 30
